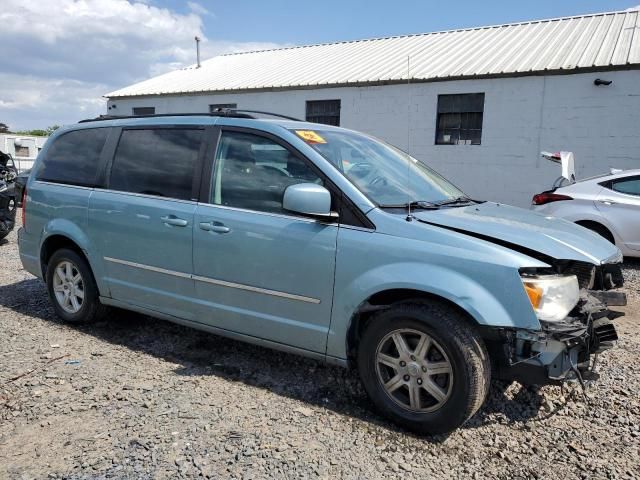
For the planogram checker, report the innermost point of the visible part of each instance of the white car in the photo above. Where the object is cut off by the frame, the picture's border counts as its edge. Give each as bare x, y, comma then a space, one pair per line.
606, 204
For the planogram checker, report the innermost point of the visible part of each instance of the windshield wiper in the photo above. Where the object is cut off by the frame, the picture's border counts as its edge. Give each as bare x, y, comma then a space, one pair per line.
422, 204
456, 201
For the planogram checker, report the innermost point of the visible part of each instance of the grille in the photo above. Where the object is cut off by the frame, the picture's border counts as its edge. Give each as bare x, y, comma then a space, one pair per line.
604, 336
606, 332
585, 272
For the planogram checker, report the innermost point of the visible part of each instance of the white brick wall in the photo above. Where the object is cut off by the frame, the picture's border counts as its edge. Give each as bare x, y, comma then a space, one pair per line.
522, 116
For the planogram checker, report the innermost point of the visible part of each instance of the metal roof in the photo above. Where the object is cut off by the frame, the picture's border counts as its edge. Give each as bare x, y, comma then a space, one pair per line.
560, 45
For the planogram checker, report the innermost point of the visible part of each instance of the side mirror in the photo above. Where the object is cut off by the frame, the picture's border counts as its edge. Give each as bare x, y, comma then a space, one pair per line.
308, 199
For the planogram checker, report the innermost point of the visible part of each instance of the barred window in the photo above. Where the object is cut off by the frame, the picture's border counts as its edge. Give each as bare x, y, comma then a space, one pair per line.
324, 111
144, 110
460, 119
214, 107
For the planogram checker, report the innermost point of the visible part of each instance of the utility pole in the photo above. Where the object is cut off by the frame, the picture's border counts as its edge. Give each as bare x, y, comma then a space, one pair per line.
198, 51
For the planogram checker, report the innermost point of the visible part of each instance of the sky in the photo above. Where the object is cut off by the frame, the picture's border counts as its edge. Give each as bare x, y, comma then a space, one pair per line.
59, 57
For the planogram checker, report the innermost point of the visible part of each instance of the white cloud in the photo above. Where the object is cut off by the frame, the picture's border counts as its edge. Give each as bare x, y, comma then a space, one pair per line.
198, 9
630, 9
64, 55
34, 102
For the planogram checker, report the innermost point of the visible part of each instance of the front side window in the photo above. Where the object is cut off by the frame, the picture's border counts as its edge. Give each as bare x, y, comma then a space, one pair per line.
459, 119
74, 157
324, 111
629, 186
252, 172
159, 162
387, 175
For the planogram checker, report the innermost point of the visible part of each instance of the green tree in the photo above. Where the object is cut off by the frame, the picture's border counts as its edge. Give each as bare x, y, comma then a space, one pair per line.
51, 129
38, 132
4, 128
35, 133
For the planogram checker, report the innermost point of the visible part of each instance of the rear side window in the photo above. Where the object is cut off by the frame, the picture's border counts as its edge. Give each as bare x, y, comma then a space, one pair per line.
158, 162
74, 157
630, 186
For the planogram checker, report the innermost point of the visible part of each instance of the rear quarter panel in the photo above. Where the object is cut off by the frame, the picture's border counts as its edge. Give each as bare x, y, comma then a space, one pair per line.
581, 208
55, 209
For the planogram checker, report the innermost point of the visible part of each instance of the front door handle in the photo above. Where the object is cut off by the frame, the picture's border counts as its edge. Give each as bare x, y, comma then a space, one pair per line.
173, 220
608, 201
215, 227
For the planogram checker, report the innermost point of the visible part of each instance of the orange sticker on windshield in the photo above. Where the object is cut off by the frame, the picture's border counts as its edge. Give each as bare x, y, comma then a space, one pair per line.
310, 136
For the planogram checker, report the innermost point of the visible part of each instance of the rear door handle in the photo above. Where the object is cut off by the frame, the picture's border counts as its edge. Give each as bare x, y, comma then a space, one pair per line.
215, 227
608, 201
173, 220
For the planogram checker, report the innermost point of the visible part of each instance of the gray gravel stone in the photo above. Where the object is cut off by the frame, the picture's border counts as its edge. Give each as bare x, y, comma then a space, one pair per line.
151, 399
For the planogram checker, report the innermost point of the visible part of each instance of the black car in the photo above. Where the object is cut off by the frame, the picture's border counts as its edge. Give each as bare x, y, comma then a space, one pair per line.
8, 204
21, 182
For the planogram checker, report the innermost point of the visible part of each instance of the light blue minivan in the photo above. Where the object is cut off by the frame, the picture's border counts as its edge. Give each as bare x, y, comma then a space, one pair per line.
321, 241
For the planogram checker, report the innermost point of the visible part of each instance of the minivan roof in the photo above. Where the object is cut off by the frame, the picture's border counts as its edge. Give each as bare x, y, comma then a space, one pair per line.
220, 112
200, 119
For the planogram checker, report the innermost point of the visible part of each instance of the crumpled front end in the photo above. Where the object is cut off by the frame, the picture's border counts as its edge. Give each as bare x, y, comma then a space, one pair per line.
7, 212
567, 349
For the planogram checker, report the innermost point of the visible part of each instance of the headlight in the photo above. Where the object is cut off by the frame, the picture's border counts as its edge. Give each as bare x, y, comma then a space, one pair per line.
552, 296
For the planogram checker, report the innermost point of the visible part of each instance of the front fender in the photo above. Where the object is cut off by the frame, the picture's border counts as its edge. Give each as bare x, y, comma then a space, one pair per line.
501, 303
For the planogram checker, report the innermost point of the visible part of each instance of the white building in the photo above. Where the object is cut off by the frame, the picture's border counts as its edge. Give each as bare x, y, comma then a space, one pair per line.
23, 148
478, 104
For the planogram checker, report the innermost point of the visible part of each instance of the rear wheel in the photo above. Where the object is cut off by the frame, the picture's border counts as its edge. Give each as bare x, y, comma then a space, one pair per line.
424, 367
72, 289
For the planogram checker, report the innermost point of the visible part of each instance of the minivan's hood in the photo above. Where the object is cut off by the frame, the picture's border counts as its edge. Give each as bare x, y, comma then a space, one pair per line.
550, 236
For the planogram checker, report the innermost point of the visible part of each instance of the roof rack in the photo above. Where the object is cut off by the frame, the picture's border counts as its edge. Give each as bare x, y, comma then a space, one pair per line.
220, 112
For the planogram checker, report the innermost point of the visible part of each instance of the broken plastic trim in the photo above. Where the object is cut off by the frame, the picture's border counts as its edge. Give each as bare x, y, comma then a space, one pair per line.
561, 351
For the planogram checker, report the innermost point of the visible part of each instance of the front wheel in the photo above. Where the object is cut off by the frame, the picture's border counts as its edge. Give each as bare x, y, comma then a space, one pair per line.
424, 367
72, 289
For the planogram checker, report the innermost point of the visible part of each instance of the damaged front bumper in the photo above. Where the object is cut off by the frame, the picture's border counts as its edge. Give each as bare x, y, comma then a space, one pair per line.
565, 350
7, 216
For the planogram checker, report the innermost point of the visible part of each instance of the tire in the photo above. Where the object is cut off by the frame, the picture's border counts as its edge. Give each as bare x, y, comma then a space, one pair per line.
4, 233
89, 308
453, 341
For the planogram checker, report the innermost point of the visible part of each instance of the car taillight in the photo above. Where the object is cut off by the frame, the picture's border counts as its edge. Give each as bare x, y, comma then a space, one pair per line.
548, 197
24, 207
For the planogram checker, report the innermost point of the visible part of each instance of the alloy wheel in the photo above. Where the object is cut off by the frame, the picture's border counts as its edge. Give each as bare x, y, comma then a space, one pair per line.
414, 370
68, 287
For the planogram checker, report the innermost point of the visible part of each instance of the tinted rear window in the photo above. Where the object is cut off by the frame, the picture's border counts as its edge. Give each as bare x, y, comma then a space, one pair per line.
158, 162
74, 157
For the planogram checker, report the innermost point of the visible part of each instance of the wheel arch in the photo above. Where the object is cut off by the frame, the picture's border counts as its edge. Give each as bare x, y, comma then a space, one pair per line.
71, 239
473, 290
595, 225
588, 215
52, 244
386, 298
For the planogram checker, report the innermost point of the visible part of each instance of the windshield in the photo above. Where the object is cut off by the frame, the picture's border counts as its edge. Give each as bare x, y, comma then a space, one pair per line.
387, 175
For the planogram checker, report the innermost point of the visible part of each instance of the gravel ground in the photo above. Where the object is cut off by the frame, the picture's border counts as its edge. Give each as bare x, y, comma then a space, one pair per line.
135, 397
